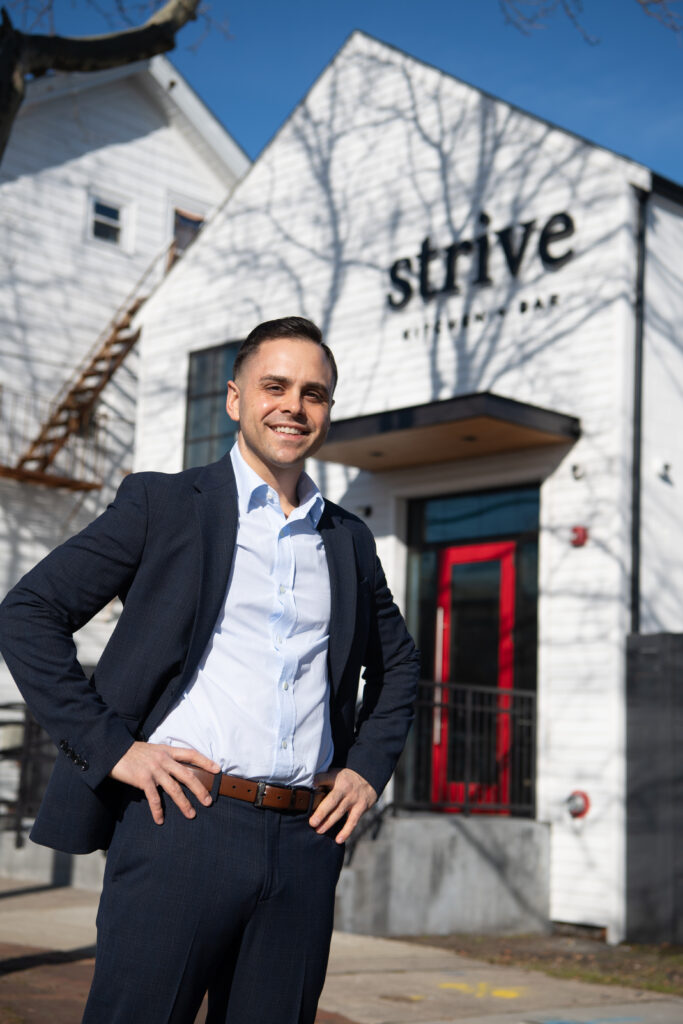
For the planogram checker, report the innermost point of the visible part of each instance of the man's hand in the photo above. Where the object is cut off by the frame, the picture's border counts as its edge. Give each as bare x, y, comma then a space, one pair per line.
148, 766
350, 795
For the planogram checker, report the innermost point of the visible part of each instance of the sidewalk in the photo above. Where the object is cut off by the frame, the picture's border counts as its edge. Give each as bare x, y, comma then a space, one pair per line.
47, 941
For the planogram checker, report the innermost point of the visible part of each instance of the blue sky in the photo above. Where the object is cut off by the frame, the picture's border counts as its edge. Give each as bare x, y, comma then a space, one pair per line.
625, 92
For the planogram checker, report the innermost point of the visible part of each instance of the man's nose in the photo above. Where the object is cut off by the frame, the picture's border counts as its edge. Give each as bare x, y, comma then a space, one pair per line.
292, 403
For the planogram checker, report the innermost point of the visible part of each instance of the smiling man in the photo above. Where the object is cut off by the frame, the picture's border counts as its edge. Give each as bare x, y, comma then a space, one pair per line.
218, 750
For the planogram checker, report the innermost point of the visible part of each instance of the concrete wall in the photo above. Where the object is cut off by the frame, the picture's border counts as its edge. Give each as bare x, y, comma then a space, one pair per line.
434, 874
41, 866
422, 874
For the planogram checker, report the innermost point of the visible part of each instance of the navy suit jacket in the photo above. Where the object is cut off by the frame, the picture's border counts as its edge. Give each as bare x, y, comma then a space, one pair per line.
165, 547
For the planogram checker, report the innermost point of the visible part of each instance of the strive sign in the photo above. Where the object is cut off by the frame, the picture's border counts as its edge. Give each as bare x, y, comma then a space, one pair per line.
434, 271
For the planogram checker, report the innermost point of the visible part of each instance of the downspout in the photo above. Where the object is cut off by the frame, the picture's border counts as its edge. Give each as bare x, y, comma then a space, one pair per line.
642, 200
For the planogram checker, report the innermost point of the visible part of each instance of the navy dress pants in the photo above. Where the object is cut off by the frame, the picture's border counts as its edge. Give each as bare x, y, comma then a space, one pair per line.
237, 902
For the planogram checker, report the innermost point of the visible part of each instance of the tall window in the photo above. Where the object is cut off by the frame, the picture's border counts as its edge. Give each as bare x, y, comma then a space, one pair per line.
186, 227
209, 431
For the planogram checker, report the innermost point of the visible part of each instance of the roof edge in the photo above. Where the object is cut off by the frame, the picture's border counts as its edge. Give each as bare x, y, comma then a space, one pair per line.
52, 86
499, 99
667, 189
175, 87
199, 115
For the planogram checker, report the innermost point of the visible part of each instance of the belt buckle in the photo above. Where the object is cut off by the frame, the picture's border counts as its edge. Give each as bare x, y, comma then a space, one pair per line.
260, 793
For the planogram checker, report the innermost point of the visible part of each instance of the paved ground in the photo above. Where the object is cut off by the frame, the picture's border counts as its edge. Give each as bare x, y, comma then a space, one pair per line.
46, 958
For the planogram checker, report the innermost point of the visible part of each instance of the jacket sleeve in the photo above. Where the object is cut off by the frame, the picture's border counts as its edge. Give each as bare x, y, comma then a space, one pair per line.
392, 670
49, 604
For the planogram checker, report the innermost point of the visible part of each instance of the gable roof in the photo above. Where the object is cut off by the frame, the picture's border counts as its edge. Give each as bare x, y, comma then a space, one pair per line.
655, 182
660, 185
180, 103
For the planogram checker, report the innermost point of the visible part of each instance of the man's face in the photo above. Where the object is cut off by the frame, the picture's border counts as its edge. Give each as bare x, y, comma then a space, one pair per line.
282, 401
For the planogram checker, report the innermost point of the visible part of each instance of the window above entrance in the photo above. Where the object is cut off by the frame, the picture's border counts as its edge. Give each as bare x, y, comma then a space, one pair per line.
470, 517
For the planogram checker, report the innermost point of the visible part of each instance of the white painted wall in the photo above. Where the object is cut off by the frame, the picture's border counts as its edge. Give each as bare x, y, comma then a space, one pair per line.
383, 152
59, 285
661, 511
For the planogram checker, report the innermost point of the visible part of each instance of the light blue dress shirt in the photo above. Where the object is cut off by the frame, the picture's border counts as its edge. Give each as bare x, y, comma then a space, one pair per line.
258, 702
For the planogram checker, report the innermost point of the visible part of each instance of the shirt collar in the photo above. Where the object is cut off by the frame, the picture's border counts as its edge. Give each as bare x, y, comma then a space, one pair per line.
253, 492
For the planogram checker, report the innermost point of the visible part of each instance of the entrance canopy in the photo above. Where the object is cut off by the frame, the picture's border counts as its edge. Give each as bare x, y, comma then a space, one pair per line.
458, 428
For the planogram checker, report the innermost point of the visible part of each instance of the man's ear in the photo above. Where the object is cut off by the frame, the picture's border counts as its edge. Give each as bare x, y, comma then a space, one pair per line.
232, 402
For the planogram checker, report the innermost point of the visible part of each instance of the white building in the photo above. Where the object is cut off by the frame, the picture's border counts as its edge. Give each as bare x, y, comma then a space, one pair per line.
106, 179
505, 303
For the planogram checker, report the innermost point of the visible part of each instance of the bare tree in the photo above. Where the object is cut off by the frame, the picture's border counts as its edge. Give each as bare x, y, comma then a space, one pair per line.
28, 54
528, 15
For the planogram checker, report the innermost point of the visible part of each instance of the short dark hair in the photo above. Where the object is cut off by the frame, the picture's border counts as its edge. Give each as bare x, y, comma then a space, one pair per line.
285, 327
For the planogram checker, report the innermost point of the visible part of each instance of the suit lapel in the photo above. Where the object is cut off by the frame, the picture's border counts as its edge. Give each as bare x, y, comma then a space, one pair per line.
216, 510
341, 564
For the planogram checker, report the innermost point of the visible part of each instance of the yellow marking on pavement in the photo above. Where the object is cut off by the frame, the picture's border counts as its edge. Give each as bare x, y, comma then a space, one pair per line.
506, 993
482, 990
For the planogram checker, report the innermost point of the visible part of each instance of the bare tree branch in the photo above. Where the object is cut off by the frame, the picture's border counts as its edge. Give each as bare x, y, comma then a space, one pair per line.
23, 54
529, 15
662, 11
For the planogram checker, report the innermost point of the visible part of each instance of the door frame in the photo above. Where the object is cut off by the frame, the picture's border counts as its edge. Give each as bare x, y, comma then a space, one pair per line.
444, 790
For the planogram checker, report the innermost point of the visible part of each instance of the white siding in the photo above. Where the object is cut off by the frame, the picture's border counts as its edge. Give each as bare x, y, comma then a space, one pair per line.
383, 152
59, 287
662, 452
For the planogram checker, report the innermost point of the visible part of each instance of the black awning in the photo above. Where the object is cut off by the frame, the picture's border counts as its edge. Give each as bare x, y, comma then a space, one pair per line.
457, 428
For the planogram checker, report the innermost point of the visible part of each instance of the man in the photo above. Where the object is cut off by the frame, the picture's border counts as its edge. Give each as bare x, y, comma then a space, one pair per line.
217, 750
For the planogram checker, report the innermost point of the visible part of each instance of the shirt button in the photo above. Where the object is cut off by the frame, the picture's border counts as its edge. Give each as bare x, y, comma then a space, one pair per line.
284, 744
286, 686
282, 588
278, 638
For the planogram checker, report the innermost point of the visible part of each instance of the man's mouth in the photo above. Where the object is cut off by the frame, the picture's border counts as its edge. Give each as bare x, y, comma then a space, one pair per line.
295, 431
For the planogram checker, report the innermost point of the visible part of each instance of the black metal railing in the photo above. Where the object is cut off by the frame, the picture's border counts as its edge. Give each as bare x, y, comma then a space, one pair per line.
472, 749
26, 760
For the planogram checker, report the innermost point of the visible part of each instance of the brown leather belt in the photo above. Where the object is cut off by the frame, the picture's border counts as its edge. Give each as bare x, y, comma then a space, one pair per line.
264, 794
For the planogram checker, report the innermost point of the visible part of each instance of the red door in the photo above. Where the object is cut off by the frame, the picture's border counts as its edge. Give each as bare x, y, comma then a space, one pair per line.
474, 652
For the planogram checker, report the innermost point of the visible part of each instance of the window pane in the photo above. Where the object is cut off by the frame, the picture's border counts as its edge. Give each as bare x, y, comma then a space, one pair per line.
228, 430
201, 418
467, 517
202, 373
108, 212
185, 229
108, 232
197, 453
219, 446
475, 599
228, 355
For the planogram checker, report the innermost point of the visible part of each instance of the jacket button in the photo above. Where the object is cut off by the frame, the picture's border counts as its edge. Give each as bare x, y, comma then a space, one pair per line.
83, 765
